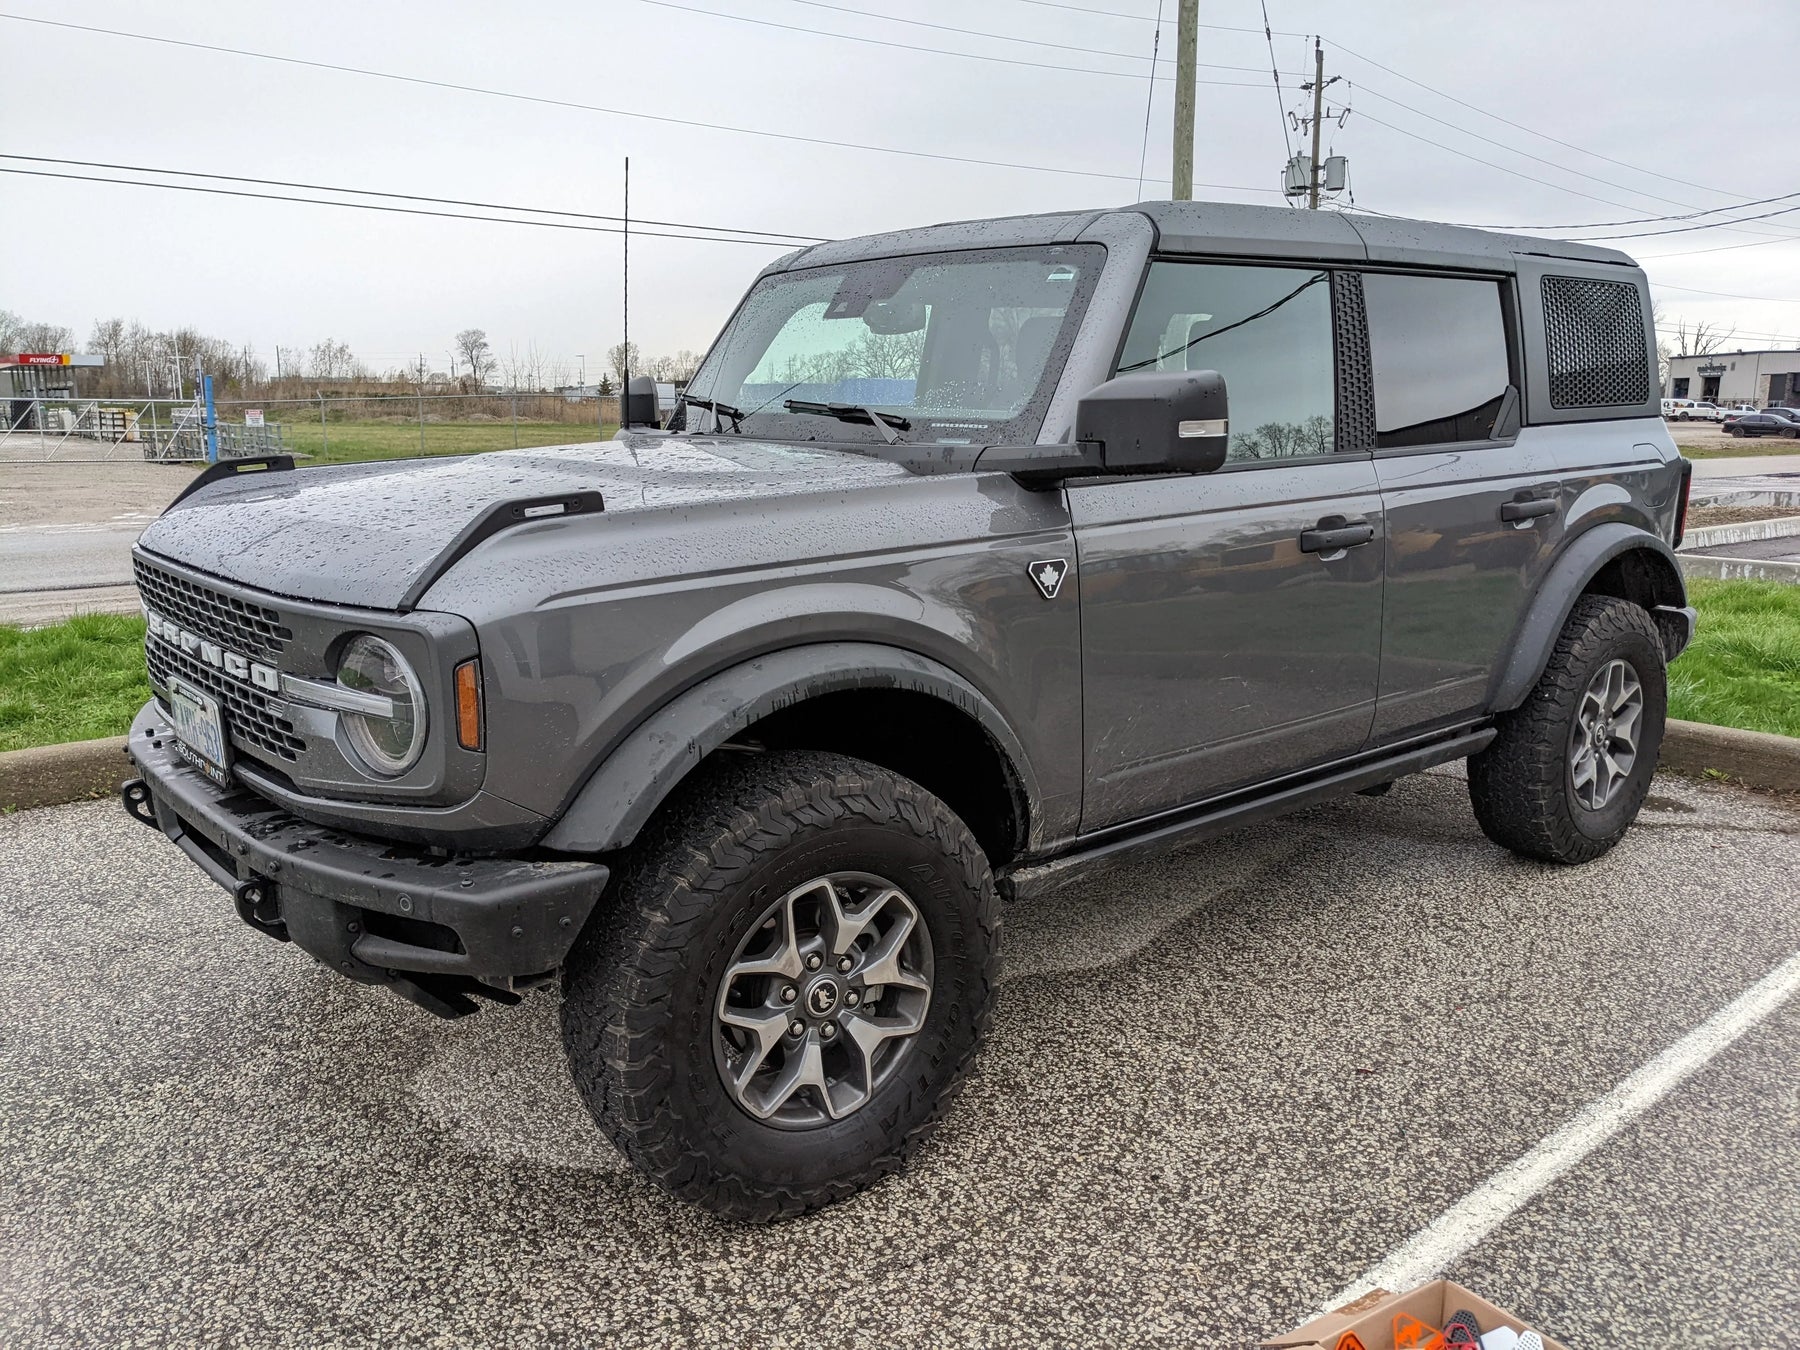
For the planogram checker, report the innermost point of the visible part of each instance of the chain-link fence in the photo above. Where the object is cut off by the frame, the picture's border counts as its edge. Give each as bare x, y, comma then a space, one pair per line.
324, 429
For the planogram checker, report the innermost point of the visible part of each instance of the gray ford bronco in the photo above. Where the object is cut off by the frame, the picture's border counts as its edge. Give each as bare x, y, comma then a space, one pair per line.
972, 555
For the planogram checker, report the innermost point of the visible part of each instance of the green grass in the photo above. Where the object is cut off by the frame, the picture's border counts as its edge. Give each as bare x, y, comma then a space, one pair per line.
73, 681
355, 442
84, 678
1743, 669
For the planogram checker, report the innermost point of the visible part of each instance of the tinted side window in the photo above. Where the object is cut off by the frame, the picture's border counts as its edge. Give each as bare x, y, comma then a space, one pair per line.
1267, 330
1438, 345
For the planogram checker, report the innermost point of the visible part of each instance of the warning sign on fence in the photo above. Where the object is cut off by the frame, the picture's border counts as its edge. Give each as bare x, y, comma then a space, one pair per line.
253, 417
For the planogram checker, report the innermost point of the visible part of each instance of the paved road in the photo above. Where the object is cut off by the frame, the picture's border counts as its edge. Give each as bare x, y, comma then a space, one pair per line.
1220, 1088
66, 532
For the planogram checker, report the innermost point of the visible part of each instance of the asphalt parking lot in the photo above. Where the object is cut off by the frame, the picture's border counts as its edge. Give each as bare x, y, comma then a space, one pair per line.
1221, 1087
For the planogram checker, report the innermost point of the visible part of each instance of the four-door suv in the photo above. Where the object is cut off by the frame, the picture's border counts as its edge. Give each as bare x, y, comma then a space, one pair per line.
974, 554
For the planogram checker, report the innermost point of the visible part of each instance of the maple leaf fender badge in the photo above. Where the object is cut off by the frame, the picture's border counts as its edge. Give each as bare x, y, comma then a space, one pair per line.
1048, 574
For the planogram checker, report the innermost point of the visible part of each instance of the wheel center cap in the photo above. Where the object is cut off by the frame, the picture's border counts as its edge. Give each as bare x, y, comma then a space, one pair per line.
822, 998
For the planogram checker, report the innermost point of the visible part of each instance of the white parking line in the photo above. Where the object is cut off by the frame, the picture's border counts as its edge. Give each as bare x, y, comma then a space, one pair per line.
1469, 1220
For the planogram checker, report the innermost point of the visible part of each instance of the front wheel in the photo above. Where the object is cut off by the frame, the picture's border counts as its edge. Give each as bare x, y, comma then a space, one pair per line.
1571, 766
789, 982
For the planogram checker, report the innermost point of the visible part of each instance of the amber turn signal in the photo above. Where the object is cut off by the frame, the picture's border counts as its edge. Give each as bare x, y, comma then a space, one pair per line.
468, 705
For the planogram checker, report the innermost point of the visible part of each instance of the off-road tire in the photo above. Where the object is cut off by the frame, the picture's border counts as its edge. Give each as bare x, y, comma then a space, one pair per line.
640, 987
1521, 786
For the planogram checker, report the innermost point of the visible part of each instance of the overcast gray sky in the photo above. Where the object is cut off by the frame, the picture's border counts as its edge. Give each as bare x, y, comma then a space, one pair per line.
1646, 82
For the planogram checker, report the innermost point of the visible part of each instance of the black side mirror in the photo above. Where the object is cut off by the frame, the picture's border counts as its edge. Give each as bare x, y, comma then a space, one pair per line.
1157, 421
640, 403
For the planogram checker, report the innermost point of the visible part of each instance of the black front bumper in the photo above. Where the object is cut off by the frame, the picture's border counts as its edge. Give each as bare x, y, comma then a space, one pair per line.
432, 928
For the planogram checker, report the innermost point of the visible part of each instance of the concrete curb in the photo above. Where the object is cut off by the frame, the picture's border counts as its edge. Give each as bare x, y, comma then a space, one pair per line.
49, 775
52, 775
1711, 536
1754, 758
1713, 568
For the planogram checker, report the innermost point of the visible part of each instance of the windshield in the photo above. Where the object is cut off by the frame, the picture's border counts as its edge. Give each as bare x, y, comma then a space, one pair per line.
965, 347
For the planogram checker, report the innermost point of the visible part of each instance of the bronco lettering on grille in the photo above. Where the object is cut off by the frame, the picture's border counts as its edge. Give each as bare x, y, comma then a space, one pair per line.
220, 658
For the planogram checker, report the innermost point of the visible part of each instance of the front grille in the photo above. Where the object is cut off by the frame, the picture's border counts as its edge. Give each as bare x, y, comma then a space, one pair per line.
248, 720
253, 630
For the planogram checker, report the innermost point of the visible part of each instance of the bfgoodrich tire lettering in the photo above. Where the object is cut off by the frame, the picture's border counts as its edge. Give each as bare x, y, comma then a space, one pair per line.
1523, 785
642, 990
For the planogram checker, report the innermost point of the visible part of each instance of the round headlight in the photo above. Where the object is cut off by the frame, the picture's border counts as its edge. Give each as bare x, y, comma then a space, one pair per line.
388, 744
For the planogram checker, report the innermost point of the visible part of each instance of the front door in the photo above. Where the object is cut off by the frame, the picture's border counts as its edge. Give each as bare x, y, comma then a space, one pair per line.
1231, 622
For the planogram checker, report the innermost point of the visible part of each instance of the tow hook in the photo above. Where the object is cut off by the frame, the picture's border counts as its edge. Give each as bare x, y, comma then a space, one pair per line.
135, 793
257, 906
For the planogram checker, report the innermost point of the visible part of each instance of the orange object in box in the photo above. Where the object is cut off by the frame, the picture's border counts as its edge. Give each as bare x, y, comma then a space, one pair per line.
1372, 1321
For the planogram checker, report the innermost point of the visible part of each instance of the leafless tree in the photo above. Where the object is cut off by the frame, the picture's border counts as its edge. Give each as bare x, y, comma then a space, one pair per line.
1701, 338
685, 364
332, 360
472, 347
620, 361
43, 337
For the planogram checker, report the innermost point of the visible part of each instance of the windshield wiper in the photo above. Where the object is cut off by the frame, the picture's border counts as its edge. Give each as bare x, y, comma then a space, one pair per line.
718, 409
853, 412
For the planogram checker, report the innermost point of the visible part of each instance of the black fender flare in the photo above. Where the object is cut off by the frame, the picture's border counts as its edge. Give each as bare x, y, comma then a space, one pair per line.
1576, 566
637, 776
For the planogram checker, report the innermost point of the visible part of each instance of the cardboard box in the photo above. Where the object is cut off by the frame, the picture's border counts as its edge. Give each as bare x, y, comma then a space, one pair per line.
1371, 1318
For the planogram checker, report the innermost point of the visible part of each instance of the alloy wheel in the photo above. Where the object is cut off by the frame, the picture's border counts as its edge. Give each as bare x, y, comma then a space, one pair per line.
823, 1000
1603, 745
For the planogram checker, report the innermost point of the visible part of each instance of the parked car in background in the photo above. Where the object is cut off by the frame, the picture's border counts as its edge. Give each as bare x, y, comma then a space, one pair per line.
1739, 409
1676, 408
1703, 412
1763, 424
1785, 414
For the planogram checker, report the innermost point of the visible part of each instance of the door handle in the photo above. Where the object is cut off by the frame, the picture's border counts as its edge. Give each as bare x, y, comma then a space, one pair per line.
1335, 533
1528, 508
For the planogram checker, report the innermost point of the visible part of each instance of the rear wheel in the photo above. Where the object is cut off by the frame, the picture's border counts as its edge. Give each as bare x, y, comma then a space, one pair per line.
791, 980
1570, 767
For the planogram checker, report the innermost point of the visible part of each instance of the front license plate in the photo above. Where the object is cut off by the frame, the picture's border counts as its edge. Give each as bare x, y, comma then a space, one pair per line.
200, 730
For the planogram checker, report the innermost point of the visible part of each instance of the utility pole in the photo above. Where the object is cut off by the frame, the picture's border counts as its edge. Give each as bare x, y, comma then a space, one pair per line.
1187, 40
1318, 93
625, 361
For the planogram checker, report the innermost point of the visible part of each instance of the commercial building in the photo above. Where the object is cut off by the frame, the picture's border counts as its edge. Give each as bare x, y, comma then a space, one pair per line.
1762, 379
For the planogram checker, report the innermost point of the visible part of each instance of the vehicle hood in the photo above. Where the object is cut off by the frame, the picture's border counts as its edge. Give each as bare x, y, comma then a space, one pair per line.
362, 534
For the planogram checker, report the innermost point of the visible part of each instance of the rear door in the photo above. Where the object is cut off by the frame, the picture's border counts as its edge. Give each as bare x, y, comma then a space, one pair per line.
1473, 512
1225, 639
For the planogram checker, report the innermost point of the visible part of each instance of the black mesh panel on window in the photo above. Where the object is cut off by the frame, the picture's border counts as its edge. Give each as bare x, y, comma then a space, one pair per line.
1355, 401
1594, 338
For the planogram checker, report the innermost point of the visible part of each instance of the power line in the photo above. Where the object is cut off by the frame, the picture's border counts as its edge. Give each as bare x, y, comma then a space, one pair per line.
1530, 178
584, 107
1275, 70
1514, 150
1569, 145
775, 236
399, 210
1145, 18
937, 51
1526, 154
1731, 295
1721, 248
1608, 224
1709, 225
976, 32
1149, 100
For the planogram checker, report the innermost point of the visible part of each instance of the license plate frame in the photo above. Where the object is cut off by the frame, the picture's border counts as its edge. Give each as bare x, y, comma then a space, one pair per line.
200, 730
